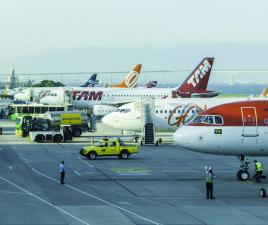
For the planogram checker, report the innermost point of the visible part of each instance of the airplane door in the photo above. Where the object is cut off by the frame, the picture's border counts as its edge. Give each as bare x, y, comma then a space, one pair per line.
249, 121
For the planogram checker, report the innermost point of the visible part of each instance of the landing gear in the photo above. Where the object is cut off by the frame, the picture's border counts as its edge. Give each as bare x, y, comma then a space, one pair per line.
243, 173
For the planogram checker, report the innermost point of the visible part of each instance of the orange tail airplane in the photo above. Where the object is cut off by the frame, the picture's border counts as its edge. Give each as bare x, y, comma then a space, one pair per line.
131, 79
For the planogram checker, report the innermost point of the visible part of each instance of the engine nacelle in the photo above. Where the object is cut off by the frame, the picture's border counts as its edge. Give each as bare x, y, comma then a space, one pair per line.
103, 110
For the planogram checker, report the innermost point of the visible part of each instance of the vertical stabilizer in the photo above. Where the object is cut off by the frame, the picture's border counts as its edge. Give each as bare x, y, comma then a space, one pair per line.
197, 81
92, 81
131, 79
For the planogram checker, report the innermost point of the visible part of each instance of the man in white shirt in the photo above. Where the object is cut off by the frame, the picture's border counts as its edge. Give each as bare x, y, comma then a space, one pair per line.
62, 172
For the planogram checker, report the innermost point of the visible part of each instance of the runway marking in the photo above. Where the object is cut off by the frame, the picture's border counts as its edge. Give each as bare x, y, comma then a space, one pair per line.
100, 199
77, 173
44, 201
90, 165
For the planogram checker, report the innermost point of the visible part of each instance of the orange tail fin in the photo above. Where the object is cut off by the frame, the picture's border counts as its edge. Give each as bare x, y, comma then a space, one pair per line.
131, 79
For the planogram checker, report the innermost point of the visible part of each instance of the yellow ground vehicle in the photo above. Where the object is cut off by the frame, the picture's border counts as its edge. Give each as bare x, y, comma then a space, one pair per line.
109, 147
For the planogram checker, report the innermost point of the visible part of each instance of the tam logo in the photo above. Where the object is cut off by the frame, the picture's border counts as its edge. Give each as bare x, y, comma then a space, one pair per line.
182, 114
87, 95
199, 73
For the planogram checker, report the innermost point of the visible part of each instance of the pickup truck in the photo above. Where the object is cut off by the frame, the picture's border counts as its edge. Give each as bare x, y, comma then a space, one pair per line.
107, 147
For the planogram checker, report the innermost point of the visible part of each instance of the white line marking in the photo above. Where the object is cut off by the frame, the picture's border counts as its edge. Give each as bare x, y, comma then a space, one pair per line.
85, 162
42, 200
100, 199
77, 173
10, 167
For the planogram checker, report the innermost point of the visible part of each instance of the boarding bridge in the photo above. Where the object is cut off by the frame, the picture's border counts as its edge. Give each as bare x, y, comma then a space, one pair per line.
147, 115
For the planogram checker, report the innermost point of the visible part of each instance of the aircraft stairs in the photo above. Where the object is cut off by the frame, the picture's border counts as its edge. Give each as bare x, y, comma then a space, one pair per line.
148, 123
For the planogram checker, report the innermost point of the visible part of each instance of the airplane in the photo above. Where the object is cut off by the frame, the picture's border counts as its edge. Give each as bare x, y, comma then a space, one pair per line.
92, 81
233, 129
167, 114
35, 94
111, 99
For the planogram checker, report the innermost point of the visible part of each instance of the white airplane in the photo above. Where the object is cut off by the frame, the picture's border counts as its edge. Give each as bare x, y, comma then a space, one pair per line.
110, 98
167, 114
237, 128
35, 94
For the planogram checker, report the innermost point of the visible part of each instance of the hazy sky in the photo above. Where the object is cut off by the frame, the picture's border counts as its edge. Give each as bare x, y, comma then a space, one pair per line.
30, 27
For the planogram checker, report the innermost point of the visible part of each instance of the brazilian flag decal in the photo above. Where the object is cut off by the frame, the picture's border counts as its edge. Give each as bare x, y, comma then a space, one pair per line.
217, 131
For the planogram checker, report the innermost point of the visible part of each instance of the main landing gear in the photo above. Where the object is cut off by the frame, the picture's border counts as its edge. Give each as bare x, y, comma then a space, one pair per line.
243, 173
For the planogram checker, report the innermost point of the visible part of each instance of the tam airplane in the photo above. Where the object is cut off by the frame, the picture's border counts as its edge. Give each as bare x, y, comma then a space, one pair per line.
108, 99
36, 93
234, 129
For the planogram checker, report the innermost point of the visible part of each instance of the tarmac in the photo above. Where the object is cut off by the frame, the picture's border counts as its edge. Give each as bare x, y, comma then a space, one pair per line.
159, 185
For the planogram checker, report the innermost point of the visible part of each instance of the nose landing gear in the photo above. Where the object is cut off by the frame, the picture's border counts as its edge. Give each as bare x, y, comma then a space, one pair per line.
243, 173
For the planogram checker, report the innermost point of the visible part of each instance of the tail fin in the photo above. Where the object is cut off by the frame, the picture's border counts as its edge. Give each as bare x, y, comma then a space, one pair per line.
197, 81
151, 84
264, 93
131, 79
91, 81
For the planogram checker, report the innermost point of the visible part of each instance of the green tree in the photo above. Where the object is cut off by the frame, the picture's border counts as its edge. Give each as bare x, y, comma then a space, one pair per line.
49, 83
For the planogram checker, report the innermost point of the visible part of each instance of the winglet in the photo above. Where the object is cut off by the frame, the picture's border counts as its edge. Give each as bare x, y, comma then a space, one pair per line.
197, 81
131, 78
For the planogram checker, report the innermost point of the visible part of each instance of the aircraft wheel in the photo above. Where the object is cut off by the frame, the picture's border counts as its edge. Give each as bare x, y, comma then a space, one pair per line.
242, 175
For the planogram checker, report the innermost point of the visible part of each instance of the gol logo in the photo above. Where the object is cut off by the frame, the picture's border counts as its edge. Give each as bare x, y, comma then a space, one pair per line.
131, 79
185, 115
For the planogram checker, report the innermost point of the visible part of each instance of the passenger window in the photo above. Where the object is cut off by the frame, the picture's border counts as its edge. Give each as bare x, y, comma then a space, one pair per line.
218, 120
113, 144
161, 111
165, 111
156, 111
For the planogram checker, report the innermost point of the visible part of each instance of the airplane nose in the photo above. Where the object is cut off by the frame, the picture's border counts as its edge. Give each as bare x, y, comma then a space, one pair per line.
43, 100
182, 137
108, 120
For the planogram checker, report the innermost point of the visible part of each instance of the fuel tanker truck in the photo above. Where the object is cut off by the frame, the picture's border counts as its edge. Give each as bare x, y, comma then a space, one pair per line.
52, 121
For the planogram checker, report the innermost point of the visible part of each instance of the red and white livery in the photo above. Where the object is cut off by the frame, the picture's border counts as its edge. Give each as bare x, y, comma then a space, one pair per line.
238, 128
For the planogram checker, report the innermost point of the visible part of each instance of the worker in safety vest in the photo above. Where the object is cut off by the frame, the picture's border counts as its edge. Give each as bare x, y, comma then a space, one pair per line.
209, 183
258, 170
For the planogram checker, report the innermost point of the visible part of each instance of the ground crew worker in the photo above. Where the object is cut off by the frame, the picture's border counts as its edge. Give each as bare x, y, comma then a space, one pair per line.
209, 184
62, 172
258, 170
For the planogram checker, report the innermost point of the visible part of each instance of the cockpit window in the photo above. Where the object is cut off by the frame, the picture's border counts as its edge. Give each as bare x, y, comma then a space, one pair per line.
218, 119
208, 119
123, 110
198, 119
